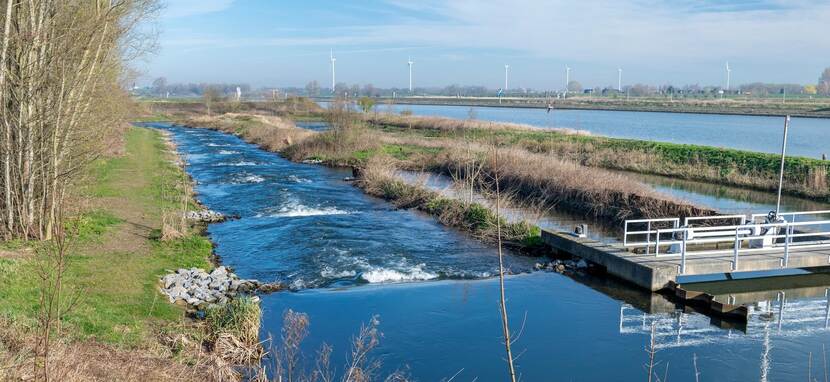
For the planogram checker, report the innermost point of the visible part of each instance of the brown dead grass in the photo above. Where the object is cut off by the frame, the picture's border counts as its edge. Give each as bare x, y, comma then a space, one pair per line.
94, 361
566, 185
269, 132
451, 124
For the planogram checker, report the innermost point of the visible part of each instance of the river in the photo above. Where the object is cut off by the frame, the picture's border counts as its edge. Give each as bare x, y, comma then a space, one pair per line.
349, 256
809, 137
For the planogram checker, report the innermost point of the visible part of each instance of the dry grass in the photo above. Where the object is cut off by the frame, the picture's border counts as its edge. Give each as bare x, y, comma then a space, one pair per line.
451, 124
269, 132
378, 179
545, 180
567, 185
336, 147
94, 361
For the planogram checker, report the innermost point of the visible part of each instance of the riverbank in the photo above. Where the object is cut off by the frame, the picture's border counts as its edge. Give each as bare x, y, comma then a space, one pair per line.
529, 177
118, 326
803, 176
800, 107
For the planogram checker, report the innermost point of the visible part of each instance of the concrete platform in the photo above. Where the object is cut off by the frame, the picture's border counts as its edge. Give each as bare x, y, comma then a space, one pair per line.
655, 273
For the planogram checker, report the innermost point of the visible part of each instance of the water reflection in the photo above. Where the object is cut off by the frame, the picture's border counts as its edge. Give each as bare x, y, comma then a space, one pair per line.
547, 218
786, 313
726, 199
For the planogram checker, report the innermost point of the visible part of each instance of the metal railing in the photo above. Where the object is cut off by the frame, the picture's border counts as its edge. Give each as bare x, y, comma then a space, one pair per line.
791, 217
744, 238
649, 224
691, 220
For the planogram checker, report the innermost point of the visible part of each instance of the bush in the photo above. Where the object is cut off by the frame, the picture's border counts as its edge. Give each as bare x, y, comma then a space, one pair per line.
240, 318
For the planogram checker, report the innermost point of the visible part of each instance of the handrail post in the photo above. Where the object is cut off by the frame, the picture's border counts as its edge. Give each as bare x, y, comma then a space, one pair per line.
625, 234
648, 238
787, 228
657, 245
737, 249
683, 252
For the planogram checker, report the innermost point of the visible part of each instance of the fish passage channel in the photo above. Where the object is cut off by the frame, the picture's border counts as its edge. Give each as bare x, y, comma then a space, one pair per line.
350, 256
304, 226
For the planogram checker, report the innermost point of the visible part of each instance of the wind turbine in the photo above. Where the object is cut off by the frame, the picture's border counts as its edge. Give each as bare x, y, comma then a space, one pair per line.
409, 61
331, 56
728, 75
567, 78
506, 67
619, 80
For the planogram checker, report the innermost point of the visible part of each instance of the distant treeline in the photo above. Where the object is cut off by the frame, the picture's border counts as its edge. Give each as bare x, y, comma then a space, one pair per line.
160, 88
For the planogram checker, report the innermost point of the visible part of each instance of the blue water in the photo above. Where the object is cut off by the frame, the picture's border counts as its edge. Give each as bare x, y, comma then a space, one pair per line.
303, 225
809, 137
571, 332
350, 256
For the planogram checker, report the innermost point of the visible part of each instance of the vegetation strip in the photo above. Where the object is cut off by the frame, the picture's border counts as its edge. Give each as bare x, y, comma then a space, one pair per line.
803, 176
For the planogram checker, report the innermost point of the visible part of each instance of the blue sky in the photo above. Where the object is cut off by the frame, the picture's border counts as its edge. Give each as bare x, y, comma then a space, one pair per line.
287, 43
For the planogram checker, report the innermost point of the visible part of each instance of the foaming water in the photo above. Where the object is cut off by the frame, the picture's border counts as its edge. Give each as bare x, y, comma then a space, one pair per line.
350, 256
305, 226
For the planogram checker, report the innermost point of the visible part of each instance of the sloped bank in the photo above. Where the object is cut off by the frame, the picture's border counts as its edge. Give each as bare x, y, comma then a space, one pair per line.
533, 178
805, 177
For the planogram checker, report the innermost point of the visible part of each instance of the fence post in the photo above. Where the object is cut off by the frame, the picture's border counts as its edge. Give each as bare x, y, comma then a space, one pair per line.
737, 249
648, 239
683, 252
657, 244
787, 244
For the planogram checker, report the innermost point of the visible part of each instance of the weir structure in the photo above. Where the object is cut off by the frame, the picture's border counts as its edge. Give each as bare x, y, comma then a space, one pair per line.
654, 253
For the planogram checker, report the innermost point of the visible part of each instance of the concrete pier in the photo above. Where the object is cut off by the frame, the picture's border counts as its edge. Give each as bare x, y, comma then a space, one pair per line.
656, 273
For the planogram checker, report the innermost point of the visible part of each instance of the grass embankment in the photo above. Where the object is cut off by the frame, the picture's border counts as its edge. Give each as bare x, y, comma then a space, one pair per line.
535, 179
800, 106
299, 108
121, 327
378, 179
269, 132
803, 176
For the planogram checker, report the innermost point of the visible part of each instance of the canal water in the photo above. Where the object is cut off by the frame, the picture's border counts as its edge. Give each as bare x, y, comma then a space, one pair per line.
809, 137
350, 257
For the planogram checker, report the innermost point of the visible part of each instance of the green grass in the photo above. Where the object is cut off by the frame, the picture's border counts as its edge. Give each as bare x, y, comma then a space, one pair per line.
804, 176
115, 276
472, 217
158, 117
402, 152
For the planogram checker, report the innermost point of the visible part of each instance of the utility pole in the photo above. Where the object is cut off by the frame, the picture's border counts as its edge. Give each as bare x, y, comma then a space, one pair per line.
409, 61
506, 67
567, 79
331, 55
783, 156
619, 80
728, 75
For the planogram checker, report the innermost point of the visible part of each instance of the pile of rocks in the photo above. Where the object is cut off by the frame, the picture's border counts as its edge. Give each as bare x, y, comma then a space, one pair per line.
206, 216
560, 266
197, 288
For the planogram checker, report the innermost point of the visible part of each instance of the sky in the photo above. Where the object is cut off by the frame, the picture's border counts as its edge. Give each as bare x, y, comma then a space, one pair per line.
287, 42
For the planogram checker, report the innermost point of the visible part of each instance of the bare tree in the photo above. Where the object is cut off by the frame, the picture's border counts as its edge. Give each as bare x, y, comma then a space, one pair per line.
50, 266
210, 96
61, 98
312, 88
502, 300
160, 86
824, 82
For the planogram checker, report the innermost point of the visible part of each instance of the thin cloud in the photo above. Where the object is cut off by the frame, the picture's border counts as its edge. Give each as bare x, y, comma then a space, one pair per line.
186, 8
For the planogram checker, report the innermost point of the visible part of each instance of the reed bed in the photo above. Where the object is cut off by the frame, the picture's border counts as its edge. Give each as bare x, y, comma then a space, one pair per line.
804, 177
566, 185
269, 132
378, 179
451, 124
